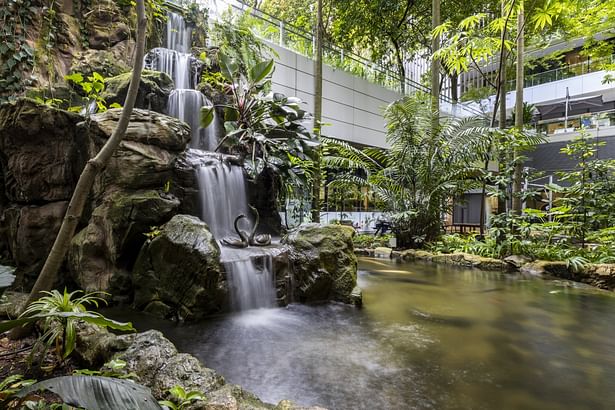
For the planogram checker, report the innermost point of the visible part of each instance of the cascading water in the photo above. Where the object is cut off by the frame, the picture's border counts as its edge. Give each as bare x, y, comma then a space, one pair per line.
222, 186
222, 191
186, 105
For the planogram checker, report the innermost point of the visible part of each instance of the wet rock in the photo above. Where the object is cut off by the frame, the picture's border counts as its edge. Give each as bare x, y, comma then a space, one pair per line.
383, 252
517, 260
153, 94
323, 262
41, 154
541, 268
107, 62
102, 254
158, 365
356, 296
95, 346
180, 268
12, 303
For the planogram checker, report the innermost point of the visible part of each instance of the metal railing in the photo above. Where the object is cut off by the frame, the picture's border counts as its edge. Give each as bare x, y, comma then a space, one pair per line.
562, 73
296, 39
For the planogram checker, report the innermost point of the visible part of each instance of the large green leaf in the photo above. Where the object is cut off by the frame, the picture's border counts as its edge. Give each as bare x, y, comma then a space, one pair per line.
261, 70
228, 67
97, 393
207, 116
89, 317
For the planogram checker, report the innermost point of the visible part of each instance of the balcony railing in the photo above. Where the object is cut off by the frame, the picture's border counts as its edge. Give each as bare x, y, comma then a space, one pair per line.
562, 73
302, 42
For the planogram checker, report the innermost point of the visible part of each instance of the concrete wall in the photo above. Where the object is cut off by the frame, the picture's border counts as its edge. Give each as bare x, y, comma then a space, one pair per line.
352, 106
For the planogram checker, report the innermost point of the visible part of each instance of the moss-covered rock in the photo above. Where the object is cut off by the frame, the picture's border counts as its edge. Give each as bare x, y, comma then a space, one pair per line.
322, 262
153, 94
103, 253
107, 62
106, 24
180, 269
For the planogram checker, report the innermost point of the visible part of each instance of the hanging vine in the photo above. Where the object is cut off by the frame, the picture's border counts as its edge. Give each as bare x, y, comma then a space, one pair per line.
16, 56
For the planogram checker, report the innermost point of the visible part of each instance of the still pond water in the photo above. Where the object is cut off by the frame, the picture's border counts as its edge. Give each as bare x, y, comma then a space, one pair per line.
428, 337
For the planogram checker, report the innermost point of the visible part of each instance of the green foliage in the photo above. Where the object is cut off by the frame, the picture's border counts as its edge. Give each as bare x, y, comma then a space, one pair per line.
264, 129
371, 241
113, 368
154, 232
181, 399
237, 41
215, 80
424, 168
16, 56
92, 90
11, 385
588, 200
59, 313
96, 392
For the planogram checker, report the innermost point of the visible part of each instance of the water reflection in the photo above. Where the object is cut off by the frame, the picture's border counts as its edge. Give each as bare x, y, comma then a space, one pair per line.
429, 337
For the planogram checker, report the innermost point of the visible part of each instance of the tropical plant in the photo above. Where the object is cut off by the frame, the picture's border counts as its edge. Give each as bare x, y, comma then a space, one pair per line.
181, 399
92, 88
94, 393
589, 197
113, 368
234, 36
59, 313
11, 385
264, 129
424, 168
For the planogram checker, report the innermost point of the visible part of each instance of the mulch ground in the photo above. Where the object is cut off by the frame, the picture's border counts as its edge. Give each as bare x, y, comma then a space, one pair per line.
16, 359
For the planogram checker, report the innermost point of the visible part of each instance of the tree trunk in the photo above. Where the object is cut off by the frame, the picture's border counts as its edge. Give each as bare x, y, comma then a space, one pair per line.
435, 64
317, 112
517, 175
48, 276
503, 202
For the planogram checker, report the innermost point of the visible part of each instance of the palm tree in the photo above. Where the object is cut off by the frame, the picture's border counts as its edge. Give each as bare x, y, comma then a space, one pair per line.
422, 171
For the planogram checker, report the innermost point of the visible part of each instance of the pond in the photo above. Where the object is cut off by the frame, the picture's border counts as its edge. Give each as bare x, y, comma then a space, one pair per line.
428, 337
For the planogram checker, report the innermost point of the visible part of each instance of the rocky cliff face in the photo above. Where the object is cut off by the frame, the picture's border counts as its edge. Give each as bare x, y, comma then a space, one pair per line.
42, 152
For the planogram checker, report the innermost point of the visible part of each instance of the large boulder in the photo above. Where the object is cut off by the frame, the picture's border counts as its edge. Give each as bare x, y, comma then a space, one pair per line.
103, 253
323, 262
153, 94
30, 233
159, 366
146, 156
107, 62
41, 153
177, 274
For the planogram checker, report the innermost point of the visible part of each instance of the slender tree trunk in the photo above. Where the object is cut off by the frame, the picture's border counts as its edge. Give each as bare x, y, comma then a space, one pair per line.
435, 64
317, 112
516, 189
48, 276
503, 202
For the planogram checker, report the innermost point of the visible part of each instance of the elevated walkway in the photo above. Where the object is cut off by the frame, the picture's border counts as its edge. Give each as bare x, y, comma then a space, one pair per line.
355, 90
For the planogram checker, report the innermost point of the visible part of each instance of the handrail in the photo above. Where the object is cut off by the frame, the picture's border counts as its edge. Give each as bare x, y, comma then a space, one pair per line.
392, 80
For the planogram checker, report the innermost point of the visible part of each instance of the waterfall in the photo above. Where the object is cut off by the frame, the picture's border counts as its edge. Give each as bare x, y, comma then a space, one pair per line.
252, 283
186, 105
222, 186
179, 36
222, 190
